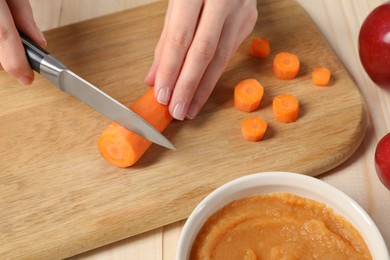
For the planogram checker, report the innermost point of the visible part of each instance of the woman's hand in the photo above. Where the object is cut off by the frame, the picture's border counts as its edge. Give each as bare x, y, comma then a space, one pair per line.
17, 15
196, 44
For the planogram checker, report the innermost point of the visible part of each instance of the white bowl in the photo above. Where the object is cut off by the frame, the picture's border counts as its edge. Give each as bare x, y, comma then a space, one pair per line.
301, 185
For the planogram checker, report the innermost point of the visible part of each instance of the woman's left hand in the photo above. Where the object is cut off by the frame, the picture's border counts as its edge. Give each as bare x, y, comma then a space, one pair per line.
196, 44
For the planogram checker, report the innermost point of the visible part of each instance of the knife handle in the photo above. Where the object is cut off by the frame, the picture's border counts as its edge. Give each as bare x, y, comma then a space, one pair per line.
35, 54
41, 61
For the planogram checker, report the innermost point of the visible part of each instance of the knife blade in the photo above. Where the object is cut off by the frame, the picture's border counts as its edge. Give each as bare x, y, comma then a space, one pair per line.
49, 67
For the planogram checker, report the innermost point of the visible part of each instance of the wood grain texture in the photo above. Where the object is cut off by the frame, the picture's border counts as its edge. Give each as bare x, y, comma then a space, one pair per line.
356, 176
51, 14
59, 193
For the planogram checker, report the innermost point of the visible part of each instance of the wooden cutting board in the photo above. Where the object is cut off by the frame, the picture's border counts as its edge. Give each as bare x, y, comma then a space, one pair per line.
59, 197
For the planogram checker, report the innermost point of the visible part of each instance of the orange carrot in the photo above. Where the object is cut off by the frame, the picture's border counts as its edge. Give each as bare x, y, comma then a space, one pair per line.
260, 48
253, 129
286, 65
247, 95
285, 108
321, 76
121, 147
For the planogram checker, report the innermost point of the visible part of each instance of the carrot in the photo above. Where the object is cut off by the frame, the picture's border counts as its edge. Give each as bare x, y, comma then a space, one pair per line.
285, 108
247, 95
121, 147
253, 129
321, 76
286, 65
260, 48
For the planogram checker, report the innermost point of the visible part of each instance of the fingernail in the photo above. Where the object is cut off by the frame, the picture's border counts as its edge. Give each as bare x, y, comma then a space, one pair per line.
178, 111
25, 80
163, 96
193, 111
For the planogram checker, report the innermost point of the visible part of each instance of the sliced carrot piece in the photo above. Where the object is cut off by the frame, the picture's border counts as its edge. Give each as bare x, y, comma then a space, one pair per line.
285, 108
321, 76
123, 148
260, 48
253, 129
286, 65
247, 95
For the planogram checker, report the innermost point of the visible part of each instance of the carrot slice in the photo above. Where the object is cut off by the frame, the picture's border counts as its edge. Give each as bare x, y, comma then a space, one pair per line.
286, 65
247, 95
253, 129
260, 48
123, 148
285, 108
321, 76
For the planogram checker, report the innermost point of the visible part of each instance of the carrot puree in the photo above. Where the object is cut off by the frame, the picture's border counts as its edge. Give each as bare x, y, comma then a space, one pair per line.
278, 226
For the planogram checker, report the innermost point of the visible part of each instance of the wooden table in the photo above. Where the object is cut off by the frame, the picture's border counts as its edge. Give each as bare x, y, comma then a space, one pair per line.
339, 21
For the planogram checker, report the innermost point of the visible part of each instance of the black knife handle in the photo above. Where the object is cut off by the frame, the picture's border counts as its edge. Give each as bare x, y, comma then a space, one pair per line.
35, 54
41, 61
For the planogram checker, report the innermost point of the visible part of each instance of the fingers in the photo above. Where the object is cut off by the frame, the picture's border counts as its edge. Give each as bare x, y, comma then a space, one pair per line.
12, 54
24, 20
214, 71
237, 26
200, 53
233, 33
194, 49
181, 25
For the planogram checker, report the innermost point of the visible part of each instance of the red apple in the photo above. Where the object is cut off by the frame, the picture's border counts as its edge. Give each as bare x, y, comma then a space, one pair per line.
382, 160
374, 45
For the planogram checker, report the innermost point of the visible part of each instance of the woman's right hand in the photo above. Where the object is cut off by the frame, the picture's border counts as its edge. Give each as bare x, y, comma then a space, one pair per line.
17, 15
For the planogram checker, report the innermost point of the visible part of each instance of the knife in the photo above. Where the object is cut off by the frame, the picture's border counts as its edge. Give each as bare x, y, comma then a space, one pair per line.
49, 67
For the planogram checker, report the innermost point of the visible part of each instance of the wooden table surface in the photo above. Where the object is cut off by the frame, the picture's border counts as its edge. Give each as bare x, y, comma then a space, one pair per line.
339, 21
